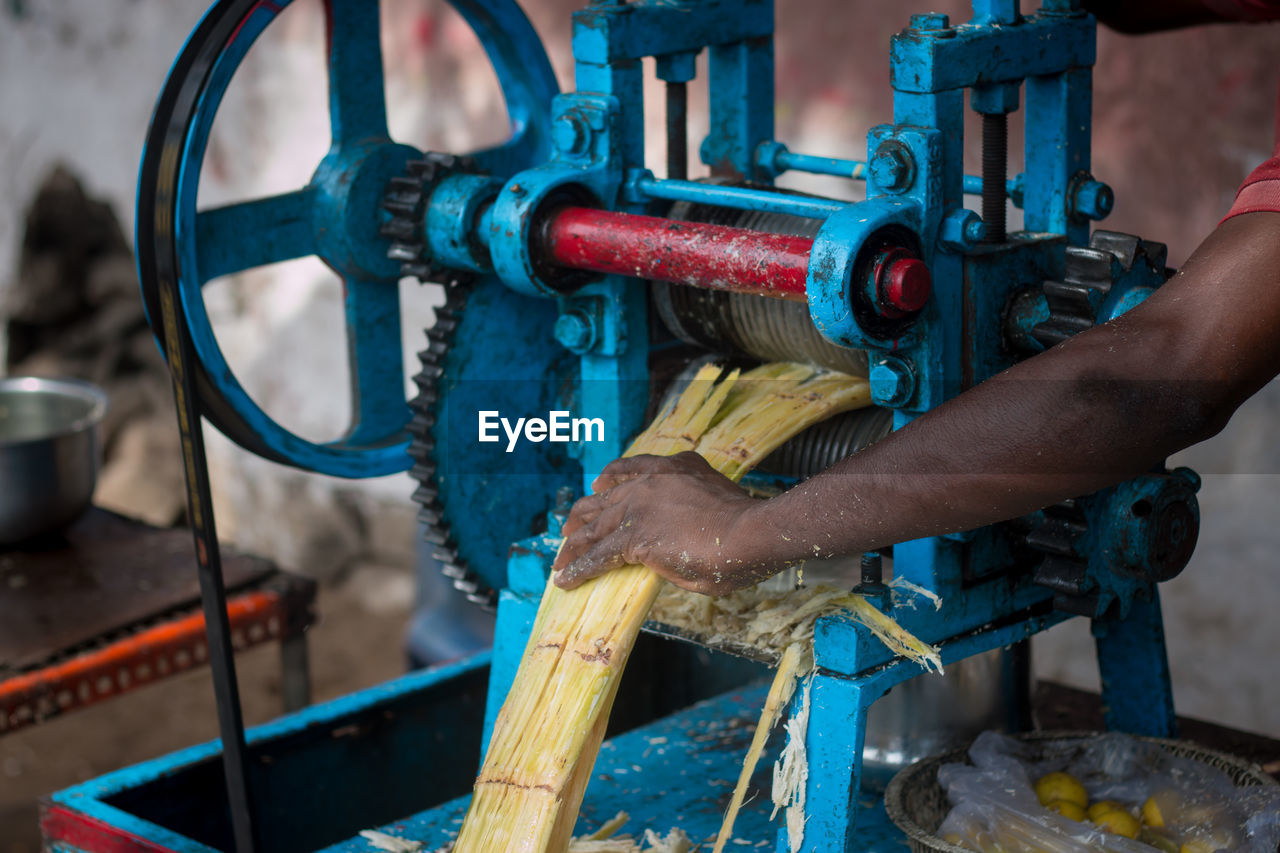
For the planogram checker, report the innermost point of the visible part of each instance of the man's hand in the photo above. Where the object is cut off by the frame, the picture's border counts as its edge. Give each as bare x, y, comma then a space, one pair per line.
675, 514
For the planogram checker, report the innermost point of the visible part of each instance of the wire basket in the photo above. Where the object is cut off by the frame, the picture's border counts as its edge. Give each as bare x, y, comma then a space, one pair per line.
917, 804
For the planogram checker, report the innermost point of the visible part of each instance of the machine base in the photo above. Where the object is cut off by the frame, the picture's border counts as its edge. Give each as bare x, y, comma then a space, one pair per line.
410, 747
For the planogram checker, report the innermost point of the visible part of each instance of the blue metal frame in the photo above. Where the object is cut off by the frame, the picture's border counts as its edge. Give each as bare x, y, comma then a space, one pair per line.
96, 798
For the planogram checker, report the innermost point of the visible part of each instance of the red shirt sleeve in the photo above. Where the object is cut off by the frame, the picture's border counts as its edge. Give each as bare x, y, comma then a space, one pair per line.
1260, 192
1245, 10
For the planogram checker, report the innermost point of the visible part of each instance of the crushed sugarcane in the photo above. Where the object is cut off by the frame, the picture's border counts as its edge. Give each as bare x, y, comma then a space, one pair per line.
390, 843
530, 787
796, 661
791, 772
901, 585
769, 621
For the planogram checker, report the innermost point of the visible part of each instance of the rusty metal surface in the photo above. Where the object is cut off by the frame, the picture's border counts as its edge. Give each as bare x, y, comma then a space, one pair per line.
105, 575
277, 609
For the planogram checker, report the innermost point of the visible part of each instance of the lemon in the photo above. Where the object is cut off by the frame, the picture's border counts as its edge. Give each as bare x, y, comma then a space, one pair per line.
1101, 807
1151, 813
1067, 809
1118, 822
1061, 786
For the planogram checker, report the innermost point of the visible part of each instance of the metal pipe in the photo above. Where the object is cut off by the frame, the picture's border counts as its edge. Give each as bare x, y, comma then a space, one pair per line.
740, 198
677, 130
791, 161
695, 253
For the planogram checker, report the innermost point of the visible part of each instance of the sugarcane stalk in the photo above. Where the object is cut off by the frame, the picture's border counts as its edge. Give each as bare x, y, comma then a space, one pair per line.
549, 730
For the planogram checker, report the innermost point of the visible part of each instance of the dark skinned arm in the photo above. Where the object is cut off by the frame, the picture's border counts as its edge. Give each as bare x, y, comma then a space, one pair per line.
1104, 405
1134, 17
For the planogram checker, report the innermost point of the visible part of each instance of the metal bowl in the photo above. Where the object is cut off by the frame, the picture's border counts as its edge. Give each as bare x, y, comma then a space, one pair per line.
49, 453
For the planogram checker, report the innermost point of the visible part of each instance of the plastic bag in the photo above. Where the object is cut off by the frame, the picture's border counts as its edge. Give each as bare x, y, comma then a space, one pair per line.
1169, 803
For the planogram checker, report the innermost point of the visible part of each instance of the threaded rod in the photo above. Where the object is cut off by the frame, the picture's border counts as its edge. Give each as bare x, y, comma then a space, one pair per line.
995, 160
677, 131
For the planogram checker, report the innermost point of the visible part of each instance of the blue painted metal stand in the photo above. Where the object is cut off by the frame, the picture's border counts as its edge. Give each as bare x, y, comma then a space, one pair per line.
1137, 694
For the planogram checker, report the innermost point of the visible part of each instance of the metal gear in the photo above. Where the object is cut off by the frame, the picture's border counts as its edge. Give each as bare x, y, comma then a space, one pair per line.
1091, 272
406, 198
1077, 303
422, 449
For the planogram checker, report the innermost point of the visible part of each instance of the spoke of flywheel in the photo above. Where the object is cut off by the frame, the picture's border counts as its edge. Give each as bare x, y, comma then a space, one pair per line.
378, 403
254, 233
357, 103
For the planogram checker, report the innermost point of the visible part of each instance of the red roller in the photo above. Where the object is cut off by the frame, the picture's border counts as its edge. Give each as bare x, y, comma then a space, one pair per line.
695, 253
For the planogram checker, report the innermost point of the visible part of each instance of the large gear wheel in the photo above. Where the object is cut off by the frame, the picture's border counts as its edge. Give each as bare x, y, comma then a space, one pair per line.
474, 502
335, 216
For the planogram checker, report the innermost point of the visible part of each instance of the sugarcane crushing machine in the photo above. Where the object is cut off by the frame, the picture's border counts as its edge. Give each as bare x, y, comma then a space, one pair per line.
574, 276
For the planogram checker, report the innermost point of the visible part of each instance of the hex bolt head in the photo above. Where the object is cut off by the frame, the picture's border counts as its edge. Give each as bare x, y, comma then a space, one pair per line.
1092, 199
891, 167
961, 230
575, 331
930, 21
892, 382
570, 134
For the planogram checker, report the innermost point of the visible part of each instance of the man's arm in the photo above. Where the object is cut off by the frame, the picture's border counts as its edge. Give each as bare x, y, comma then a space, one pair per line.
1102, 406
1148, 16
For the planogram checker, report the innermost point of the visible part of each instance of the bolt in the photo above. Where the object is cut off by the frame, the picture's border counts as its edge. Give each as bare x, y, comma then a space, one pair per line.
930, 21
1092, 199
575, 331
892, 382
872, 575
960, 230
570, 134
767, 156
891, 167
906, 284
899, 283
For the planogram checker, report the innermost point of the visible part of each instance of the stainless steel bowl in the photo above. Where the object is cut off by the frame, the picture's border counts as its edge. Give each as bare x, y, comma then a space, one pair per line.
49, 453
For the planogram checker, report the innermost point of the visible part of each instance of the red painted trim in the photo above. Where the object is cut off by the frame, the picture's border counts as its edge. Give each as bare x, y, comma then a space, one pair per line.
61, 824
256, 617
694, 253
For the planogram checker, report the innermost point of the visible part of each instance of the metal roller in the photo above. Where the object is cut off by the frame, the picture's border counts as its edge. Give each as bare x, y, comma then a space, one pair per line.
825, 444
746, 324
814, 450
